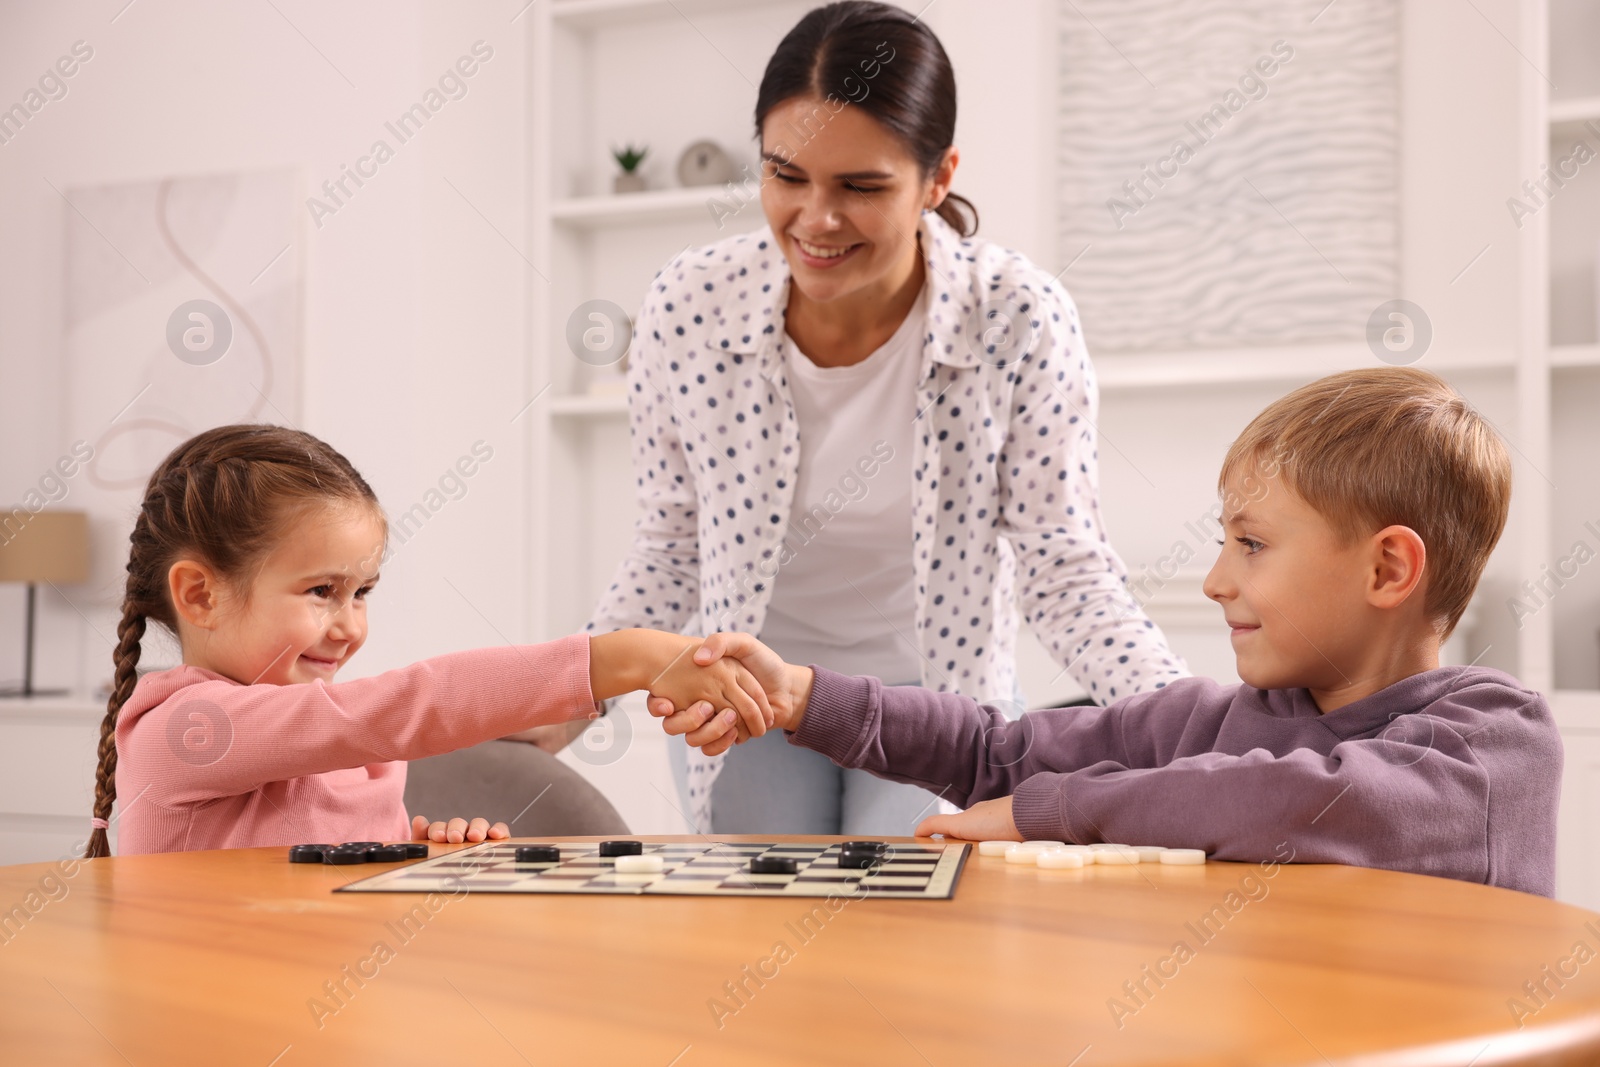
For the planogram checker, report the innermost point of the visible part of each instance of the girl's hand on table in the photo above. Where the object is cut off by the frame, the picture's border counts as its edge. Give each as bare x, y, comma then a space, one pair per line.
457, 830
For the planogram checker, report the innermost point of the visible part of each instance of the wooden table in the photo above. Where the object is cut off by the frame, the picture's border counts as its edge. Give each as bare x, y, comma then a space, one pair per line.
224, 958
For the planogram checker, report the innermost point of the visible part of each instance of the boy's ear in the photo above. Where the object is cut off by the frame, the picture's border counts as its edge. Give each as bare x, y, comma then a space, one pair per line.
195, 591
1399, 559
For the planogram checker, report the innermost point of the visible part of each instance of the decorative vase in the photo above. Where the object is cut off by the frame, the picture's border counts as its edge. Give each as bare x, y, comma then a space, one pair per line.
629, 181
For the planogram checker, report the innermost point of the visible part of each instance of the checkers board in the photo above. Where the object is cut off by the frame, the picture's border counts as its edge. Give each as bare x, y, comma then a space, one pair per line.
907, 871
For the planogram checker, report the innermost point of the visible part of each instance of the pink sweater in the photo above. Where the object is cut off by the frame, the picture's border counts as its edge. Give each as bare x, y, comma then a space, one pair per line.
204, 762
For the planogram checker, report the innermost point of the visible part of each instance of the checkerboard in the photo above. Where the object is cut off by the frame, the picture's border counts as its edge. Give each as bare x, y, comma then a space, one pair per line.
919, 871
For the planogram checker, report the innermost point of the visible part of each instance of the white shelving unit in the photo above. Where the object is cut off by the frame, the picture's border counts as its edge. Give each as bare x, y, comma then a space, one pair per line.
605, 73
1560, 383
609, 72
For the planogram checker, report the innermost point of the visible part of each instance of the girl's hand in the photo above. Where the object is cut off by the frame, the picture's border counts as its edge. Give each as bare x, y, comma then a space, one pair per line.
457, 830
988, 820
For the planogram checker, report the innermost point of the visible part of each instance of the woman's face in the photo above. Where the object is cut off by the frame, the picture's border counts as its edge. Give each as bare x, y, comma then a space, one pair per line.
843, 197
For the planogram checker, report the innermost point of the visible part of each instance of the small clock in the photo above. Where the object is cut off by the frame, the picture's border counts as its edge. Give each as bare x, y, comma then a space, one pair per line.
704, 163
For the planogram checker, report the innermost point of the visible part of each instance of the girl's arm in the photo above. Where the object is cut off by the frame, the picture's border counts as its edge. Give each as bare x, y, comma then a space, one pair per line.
217, 738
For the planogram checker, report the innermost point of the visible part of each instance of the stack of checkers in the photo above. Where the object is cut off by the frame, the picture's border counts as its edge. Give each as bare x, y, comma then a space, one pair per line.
359, 852
1060, 855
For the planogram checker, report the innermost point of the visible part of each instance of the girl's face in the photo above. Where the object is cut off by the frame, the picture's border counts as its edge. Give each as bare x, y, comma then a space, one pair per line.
303, 613
843, 197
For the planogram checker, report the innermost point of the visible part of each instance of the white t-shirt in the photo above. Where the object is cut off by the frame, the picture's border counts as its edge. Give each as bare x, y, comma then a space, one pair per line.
851, 520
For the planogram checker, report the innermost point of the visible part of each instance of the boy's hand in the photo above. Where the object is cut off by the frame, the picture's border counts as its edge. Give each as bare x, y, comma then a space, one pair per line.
987, 820
457, 830
788, 690
703, 727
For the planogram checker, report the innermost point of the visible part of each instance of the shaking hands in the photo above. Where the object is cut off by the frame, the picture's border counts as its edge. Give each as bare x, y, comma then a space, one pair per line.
715, 693
713, 727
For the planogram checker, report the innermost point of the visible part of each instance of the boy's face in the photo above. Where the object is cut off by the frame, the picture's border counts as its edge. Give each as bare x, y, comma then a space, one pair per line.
1292, 591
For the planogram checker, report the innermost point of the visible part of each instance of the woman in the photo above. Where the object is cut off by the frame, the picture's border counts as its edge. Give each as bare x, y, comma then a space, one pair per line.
854, 427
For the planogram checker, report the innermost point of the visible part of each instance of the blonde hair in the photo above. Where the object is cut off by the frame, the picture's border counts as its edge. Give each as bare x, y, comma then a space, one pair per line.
1385, 447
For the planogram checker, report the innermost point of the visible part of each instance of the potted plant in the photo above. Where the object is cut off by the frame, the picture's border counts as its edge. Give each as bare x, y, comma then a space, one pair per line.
629, 158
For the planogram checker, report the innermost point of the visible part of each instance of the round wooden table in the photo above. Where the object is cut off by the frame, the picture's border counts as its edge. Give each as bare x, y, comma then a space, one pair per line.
242, 958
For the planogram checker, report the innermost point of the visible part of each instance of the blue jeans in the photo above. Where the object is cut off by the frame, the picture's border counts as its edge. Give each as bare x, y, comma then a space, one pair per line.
768, 786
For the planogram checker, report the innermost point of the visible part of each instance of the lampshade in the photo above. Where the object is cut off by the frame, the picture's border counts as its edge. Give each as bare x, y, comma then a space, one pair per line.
51, 546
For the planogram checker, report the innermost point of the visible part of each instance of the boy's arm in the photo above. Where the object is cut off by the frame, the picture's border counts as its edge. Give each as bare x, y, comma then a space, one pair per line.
946, 742
1415, 798
1364, 803
967, 752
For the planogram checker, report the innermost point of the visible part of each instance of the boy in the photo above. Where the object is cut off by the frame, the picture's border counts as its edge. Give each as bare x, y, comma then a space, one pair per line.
1358, 512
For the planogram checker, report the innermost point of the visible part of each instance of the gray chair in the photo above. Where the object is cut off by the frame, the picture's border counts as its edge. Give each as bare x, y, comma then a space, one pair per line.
500, 781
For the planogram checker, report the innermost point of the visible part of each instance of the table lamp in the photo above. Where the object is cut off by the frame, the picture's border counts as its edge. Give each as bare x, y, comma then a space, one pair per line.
50, 546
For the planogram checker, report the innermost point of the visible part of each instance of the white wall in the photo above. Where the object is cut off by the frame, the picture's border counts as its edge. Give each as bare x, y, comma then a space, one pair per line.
414, 321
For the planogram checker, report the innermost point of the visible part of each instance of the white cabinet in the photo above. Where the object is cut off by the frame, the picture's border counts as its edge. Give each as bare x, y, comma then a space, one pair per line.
48, 750
1578, 833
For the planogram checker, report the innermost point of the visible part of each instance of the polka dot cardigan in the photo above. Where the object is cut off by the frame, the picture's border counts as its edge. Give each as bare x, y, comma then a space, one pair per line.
1005, 501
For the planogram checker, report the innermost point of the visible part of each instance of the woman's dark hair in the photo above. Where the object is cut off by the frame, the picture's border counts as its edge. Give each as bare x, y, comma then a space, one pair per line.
882, 59
223, 497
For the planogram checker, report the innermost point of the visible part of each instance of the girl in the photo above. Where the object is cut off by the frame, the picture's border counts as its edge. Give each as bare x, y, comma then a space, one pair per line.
257, 546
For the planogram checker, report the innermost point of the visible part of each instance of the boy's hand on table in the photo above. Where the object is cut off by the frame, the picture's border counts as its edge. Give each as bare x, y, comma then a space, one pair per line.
788, 690
457, 830
987, 820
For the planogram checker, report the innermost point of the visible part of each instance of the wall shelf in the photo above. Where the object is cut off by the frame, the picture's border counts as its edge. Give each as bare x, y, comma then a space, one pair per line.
587, 406
1158, 370
1575, 356
597, 14
630, 209
1567, 115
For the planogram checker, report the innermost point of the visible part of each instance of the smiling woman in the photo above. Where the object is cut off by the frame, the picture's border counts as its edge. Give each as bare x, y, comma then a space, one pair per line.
867, 316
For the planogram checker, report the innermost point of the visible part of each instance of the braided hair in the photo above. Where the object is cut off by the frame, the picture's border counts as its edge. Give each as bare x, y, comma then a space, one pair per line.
222, 497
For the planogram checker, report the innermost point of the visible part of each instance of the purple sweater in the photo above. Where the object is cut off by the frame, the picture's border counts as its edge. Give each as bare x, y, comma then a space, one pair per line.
1453, 772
